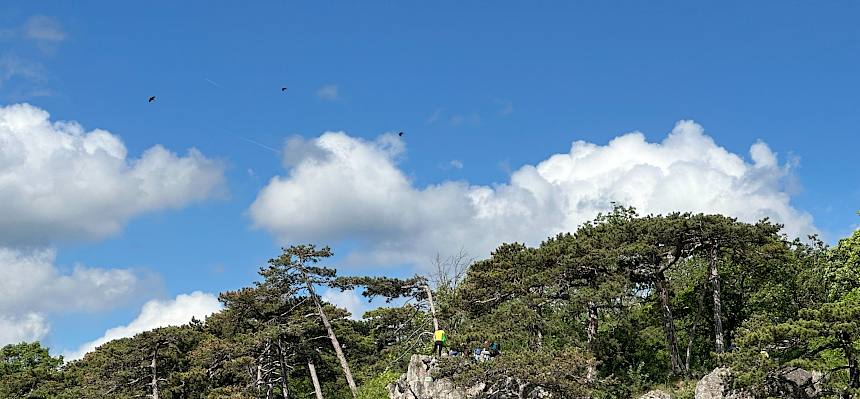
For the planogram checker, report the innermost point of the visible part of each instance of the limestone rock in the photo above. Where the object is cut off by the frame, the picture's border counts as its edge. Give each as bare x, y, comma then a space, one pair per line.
717, 385
787, 382
795, 382
418, 383
713, 385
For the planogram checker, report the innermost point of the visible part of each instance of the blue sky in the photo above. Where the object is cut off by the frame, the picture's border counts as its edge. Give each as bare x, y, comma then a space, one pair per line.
493, 88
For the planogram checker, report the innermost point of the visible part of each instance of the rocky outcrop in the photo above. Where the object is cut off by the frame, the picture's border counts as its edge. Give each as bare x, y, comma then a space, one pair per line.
713, 385
418, 383
795, 382
787, 382
717, 385
656, 394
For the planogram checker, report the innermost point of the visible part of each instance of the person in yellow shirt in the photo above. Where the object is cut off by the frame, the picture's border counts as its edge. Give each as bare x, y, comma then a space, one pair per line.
439, 339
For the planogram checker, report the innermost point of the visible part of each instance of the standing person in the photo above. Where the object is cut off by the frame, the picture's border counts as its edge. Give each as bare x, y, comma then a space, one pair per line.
485, 351
439, 339
495, 349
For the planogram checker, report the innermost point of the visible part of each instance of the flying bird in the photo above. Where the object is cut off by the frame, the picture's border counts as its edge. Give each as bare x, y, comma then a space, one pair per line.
400, 134
283, 89
151, 99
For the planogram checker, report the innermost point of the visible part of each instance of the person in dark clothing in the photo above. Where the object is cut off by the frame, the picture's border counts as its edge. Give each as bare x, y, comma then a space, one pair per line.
437, 348
495, 349
476, 353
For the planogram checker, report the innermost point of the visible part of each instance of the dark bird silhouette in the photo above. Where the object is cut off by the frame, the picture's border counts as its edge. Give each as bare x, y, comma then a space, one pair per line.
400, 134
151, 99
283, 89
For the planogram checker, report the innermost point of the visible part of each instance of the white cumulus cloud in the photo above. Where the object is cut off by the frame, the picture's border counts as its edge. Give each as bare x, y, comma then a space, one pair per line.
26, 328
350, 300
33, 288
356, 192
155, 314
31, 281
60, 182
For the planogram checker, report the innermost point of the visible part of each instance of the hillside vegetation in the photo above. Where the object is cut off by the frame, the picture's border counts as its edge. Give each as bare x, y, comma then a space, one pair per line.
623, 304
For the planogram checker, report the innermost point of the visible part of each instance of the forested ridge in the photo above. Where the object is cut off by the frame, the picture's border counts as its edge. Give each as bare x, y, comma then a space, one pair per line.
624, 304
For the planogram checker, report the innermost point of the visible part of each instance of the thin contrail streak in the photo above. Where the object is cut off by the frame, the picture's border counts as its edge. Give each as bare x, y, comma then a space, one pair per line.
212, 81
257, 143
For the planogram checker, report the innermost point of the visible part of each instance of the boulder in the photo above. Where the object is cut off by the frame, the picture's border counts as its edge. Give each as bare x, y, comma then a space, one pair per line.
795, 382
787, 382
713, 385
717, 385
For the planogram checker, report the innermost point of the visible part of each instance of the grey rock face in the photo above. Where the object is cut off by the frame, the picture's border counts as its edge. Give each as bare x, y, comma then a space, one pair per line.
717, 385
787, 382
713, 385
418, 383
795, 382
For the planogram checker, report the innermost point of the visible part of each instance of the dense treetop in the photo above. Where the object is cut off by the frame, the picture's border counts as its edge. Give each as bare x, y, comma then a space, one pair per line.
622, 304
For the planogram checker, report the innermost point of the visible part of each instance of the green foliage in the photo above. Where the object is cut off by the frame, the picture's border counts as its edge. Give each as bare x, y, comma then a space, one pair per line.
843, 267
623, 304
560, 371
27, 370
823, 338
376, 387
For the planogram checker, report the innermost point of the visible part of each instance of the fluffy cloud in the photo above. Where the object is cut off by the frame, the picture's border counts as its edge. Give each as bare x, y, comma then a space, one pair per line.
350, 300
33, 287
356, 192
31, 281
27, 328
155, 314
59, 182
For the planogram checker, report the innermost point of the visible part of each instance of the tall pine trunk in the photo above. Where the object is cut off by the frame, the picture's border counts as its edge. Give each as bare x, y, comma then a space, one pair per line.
669, 325
692, 334
313, 370
690, 348
853, 370
539, 340
258, 383
285, 382
714, 277
153, 366
591, 374
337, 349
432, 307
259, 380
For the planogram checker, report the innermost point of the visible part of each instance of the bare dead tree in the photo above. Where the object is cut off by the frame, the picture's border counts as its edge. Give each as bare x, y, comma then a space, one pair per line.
449, 271
334, 342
